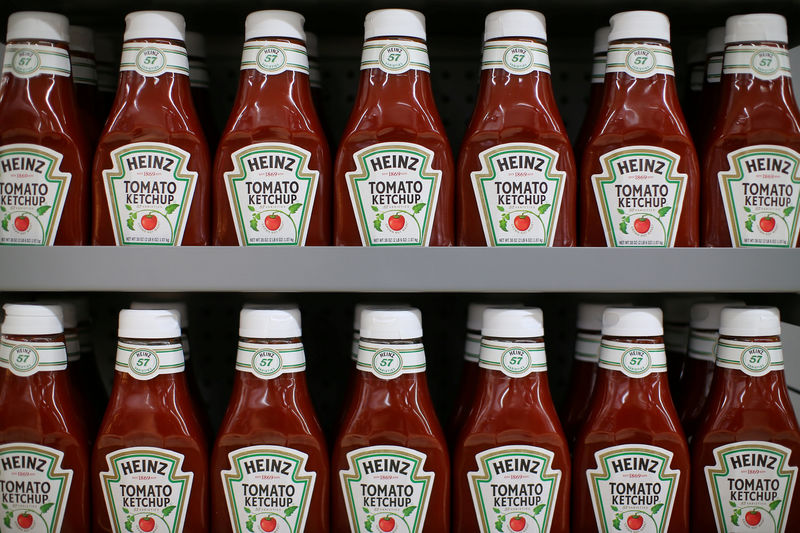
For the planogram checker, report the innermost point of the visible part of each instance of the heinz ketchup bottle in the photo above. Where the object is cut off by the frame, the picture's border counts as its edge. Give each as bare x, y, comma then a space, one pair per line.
272, 171
715, 47
152, 168
511, 462
394, 170
752, 162
390, 466
639, 175
84, 76
469, 370
631, 462
595, 104
44, 447
150, 458
44, 152
270, 442
200, 79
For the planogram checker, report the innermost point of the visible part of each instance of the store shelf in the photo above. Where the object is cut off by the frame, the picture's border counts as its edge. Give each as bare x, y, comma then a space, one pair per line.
398, 270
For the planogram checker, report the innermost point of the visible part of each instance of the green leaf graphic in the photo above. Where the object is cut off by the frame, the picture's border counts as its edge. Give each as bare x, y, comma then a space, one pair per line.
4, 223
7, 521
620, 211
733, 504
171, 208
124, 510
128, 207
365, 510
538, 509
746, 209
774, 505
375, 209
248, 511
368, 525
417, 208
377, 224
501, 208
290, 511
503, 224
130, 224
250, 522
129, 523
251, 208
168, 510
46, 507
788, 211
615, 523
254, 224
4, 506
496, 510
663, 211
3, 209
614, 508
408, 510
735, 519
656, 508
748, 224
543, 208
623, 227
499, 526
294, 207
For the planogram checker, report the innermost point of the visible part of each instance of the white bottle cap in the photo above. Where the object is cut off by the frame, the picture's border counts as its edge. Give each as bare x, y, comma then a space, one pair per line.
715, 40
475, 313
276, 322
513, 323
154, 25
757, 27
750, 322
312, 44
590, 315
633, 25
357, 316
69, 312
274, 23
632, 322
601, 40
391, 323
394, 23
38, 25
697, 51
81, 39
515, 23
706, 315
179, 307
30, 319
149, 324
195, 44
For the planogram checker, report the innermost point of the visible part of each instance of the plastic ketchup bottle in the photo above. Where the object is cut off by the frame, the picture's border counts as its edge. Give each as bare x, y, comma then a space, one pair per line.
390, 463
44, 448
152, 167
44, 152
469, 370
715, 47
272, 171
745, 454
84, 76
150, 458
752, 162
394, 170
639, 175
631, 462
199, 80
516, 173
269, 467
511, 464
595, 104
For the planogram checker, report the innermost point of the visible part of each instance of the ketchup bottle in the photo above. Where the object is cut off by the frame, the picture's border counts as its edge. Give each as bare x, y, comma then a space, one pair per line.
151, 167
84, 76
44, 153
745, 455
199, 80
698, 369
469, 370
272, 172
631, 462
394, 170
107, 55
752, 165
390, 463
44, 459
595, 104
693, 93
715, 47
639, 176
511, 463
150, 458
270, 463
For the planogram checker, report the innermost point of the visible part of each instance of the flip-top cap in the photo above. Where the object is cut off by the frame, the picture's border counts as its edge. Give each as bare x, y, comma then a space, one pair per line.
81, 39
69, 312
475, 313
767, 27
750, 322
513, 323
515, 23
154, 25
274, 23
312, 44
706, 315
632, 322
394, 23
179, 307
601, 40
29, 319
278, 322
590, 315
715, 40
149, 324
391, 323
38, 25
639, 25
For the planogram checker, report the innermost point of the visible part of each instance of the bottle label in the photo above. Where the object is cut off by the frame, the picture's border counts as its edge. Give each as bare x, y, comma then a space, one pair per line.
633, 360
154, 59
714, 68
515, 57
640, 60
268, 489
515, 489
587, 347
640, 196
33, 191
754, 359
751, 486
394, 191
599, 68
72, 342
388, 361
274, 57
633, 488
84, 70
703, 345
31, 60
25, 359
268, 361
472, 347
386, 488
145, 489
763, 62
34, 487
149, 191
144, 362
314, 73
198, 74
395, 56
354, 347
676, 337
271, 193
761, 193
696, 75
514, 359
519, 192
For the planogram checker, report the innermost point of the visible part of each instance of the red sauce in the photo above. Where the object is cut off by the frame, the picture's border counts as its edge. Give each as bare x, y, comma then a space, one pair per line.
595, 103
84, 76
468, 386
712, 88
200, 79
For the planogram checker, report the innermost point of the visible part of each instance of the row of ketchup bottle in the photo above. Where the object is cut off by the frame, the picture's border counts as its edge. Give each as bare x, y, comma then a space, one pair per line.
633, 179
510, 468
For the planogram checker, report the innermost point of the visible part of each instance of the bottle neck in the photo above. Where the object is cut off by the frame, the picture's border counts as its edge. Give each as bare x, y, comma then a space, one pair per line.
634, 363
750, 363
269, 367
40, 72
25, 357
759, 70
516, 70
390, 371
148, 363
